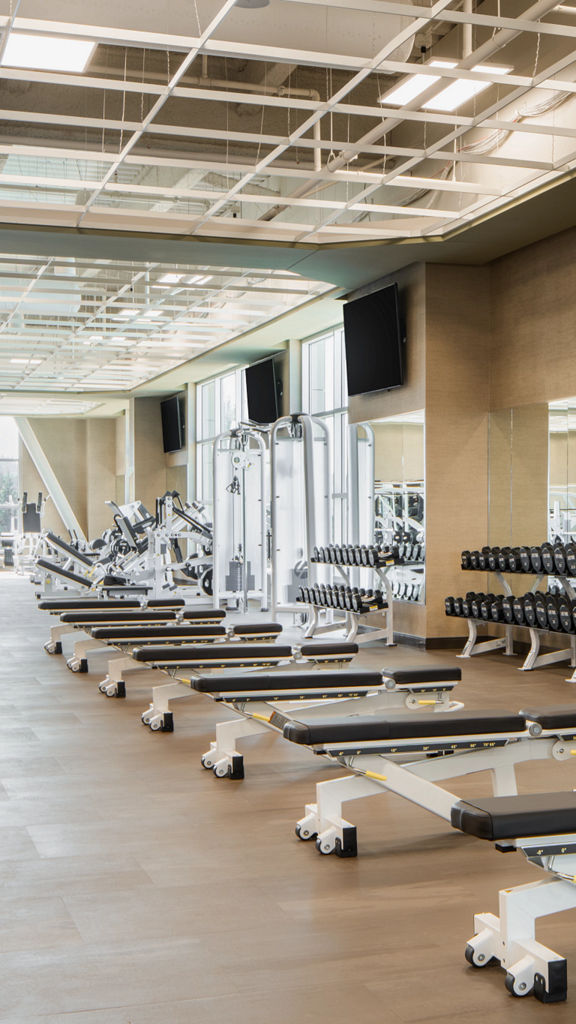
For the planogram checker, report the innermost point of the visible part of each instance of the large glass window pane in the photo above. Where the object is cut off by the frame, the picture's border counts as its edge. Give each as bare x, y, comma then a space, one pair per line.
228, 403
207, 410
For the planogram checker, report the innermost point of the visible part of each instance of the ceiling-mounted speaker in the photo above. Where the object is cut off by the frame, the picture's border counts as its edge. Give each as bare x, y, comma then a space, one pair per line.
252, 3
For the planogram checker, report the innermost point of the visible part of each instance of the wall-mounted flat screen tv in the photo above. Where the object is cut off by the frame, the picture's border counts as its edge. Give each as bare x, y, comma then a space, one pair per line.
264, 391
173, 423
374, 342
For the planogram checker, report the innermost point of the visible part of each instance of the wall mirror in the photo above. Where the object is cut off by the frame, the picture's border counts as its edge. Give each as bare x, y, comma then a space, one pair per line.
399, 498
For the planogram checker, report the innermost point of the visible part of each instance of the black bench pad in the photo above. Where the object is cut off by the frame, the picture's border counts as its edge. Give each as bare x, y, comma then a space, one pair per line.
57, 542
42, 563
54, 604
405, 676
256, 628
185, 633
559, 717
512, 817
326, 649
228, 653
292, 681
84, 618
335, 729
204, 615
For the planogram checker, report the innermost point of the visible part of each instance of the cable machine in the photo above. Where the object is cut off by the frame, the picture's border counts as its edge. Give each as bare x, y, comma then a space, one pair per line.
300, 504
240, 464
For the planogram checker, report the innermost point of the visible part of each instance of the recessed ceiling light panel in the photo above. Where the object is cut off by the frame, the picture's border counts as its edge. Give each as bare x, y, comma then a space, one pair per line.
47, 53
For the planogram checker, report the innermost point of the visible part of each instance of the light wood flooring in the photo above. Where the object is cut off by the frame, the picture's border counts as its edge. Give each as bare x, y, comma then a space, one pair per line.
138, 889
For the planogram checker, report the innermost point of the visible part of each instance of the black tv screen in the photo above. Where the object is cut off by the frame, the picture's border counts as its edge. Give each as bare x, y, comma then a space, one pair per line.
173, 434
374, 342
263, 391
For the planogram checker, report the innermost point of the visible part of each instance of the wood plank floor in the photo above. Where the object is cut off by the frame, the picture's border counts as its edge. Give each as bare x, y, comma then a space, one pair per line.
138, 889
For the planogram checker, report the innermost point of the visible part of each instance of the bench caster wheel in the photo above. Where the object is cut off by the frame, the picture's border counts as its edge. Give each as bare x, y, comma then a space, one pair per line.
155, 724
304, 833
145, 717
103, 686
53, 647
476, 958
220, 771
326, 846
518, 987
206, 762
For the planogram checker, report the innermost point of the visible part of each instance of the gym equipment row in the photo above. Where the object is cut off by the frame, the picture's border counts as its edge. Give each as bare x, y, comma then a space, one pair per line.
556, 559
386, 749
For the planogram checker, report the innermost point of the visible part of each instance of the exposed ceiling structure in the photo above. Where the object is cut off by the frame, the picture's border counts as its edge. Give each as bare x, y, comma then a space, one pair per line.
291, 124
101, 325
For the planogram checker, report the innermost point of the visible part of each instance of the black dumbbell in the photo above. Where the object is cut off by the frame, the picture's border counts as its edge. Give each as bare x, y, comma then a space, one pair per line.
560, 560
548, 558
474, 559
483, 557
514, 560
475, 605
566, 614
502, 559
525, 562
570, 558
496, 610
529, 609
508, 609
493, 559
553, 612
518, 611
536, 558
541, 610
485, 606
465, 560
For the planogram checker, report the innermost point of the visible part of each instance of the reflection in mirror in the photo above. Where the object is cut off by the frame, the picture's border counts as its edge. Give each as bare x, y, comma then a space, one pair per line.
518, 477
562, 474
399, 498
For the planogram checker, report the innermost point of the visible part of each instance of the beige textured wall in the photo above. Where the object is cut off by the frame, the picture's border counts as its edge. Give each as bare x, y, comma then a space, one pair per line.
100, 473
64, 444
534, 323
149, 458
458, 351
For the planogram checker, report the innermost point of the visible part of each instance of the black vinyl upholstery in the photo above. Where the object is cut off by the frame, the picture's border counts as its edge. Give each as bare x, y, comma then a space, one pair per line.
220, 654
85, 618
402, 726
292, 681
406, 676
186, 633
256, 628
560, 717
54, 604
327, 649
204, 615
512, 817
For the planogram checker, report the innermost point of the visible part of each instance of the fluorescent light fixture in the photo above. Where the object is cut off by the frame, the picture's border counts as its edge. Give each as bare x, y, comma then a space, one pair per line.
152, 314
412, 86
48, 53
170, 278
26, 362
453, 96
127, 311
198, 279
463, 89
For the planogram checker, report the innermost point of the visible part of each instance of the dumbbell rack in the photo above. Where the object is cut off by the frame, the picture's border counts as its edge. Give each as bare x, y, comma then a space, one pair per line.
352, 621
534, 659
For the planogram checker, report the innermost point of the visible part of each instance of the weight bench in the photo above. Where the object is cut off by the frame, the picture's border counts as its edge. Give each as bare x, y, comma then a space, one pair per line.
543, 827
257, 698
126, 639
224, 656
410, 754
87, 620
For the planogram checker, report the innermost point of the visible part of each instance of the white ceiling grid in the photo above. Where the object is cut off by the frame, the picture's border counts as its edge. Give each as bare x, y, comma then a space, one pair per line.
276, 124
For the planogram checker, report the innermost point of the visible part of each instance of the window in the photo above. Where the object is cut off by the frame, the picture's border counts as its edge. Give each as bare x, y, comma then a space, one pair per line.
325, 395
220, 405
9, 485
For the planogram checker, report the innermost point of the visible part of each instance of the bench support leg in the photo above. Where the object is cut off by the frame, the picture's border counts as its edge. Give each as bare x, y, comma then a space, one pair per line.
223, 758
113, 684
510, 939
158, 717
